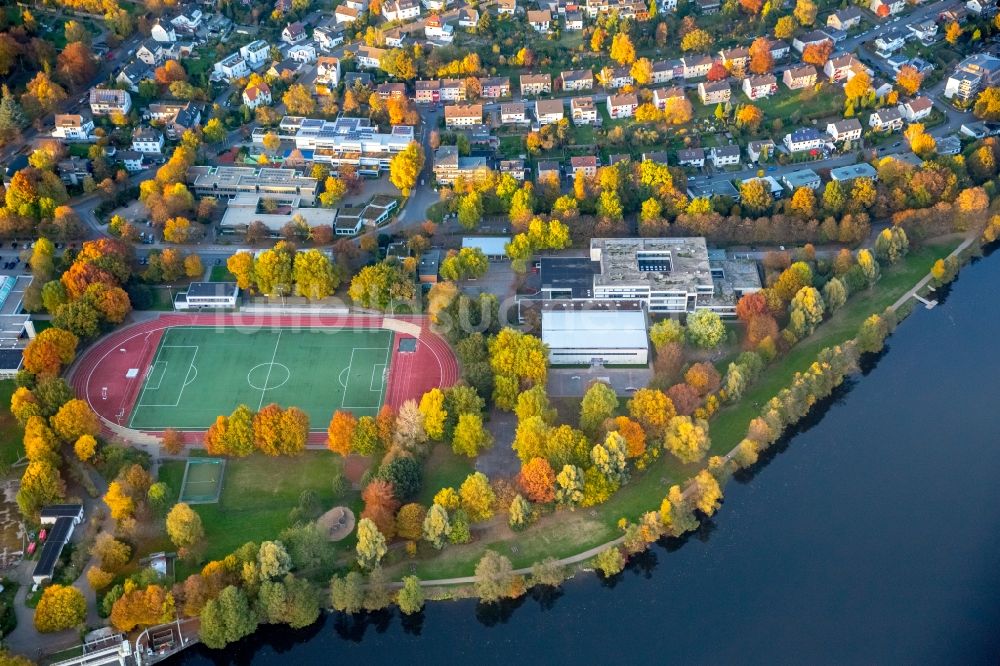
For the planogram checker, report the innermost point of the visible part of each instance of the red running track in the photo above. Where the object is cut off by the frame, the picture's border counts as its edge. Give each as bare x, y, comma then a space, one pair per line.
100, 375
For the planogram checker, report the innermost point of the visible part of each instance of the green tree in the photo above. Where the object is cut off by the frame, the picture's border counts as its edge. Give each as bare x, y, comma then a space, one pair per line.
892, 244
869, 267
436, 526
705, 329
314, 275
410, 596
470, 438
184, 526
834, 294
347, 594
470, 210
609, 457
609, 561
494, 577
599, 403
810, 304
666, 331
227, 618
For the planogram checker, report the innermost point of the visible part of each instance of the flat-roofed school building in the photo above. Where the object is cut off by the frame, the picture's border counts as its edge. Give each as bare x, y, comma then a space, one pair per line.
584, 337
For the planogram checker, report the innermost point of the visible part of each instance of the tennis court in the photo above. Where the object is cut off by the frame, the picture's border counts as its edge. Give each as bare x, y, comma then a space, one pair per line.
202, 483
200, 372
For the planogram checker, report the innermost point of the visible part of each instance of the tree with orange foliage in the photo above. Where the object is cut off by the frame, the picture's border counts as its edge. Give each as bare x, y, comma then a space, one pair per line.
703, 377
169, 72
749, 116
142, 607
538, 480
717, 72
752, 7
340, 434
760, 327
634, 435
173, 442
385, 424
51, 349
909, 79
267, 433
295, 426
215, 437
817, 54
684, 398
75, 64
761, 60
380, 506
751, 304
81, 275
653, 409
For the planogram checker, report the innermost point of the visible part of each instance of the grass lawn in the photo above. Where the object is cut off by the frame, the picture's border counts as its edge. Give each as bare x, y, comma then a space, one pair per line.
11, 434
257, 494
443, 469
222, 274
567, 533
808, 103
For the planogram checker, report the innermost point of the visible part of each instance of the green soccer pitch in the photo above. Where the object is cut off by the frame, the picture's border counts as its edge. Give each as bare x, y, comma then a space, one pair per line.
199, 373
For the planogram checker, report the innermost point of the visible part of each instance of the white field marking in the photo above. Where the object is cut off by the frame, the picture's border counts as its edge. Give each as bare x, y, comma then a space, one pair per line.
149, 374
274, 355
184, 385
375, 368
351, 364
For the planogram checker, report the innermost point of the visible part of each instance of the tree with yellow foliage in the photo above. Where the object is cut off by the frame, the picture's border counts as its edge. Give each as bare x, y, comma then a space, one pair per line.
142, 607
477, 497
687, 438
405, 167
85, 447
184, 526
75, 419
60, 607
622, 51
120, 504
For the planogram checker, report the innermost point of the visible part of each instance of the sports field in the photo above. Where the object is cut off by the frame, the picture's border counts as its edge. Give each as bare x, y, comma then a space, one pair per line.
200, 372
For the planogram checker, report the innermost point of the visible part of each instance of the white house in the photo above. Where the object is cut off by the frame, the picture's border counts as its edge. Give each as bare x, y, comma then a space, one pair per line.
132, 160
714, 92
188, 23
540, 20
233, 66
842, 67
916, 109
725, 156
163, 32
583, 110
256, 53
508, 7
883, 8
889, 43
345, 14
147, 140
435, 5
694, 157
72, 127
806, 138
294, 33
400, 10
133, 74
302, 53
848, 129
549, 111
370, 57
151, 53
438, 30
463, 115
758, 87
105, 101
512, 113
760, 150
622, 106
468, 17
257, 95
889, 119
328, 71
661, 95
328, 37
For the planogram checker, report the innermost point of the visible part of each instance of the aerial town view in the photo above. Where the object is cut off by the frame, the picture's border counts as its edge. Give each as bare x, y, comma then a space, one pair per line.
619, 331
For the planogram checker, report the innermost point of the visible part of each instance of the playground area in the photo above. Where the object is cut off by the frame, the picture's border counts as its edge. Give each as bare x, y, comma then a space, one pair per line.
183, 371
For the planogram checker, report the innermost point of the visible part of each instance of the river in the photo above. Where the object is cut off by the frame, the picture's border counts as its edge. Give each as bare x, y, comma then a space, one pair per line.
871, 535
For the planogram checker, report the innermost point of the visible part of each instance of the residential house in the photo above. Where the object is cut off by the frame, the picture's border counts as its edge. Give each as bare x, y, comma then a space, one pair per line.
616, 78
759, 87
814, 37
151, 52
583, 111
665, 70
132, 160
394, 38
515, 168
696, 66
463, 115
73, 170
294, 33
661, 95
133, 74
549, 111
427, 92
448, 165
345, 14
714, 92
693, 157
735, 59
286, 70
163, 31
797, 78
256, 53
73, 127
512, 113
437, 30
468, 17
175, 117
328, 37
780, 49
841, 68
836, 36
622, 106
949, 145
548, 170
883, 8
723, 156
846, 174
585, 164
978, 71
508, 7
304, 53
806, 138
844, 19
981, 7
888, 43
105, 101
708, 6
793, 180
657, 157
494, 87
395, 90
435, 5
926, 31
536, 84
188, 23
574, 21
848, 129
760, 151
147, 140
370, 57
577, 79
400, 10
889, 119
452, 90
916, 109
328, 71
540, 19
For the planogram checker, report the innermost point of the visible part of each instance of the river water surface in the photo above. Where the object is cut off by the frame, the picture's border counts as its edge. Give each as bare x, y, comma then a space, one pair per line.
871, 536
